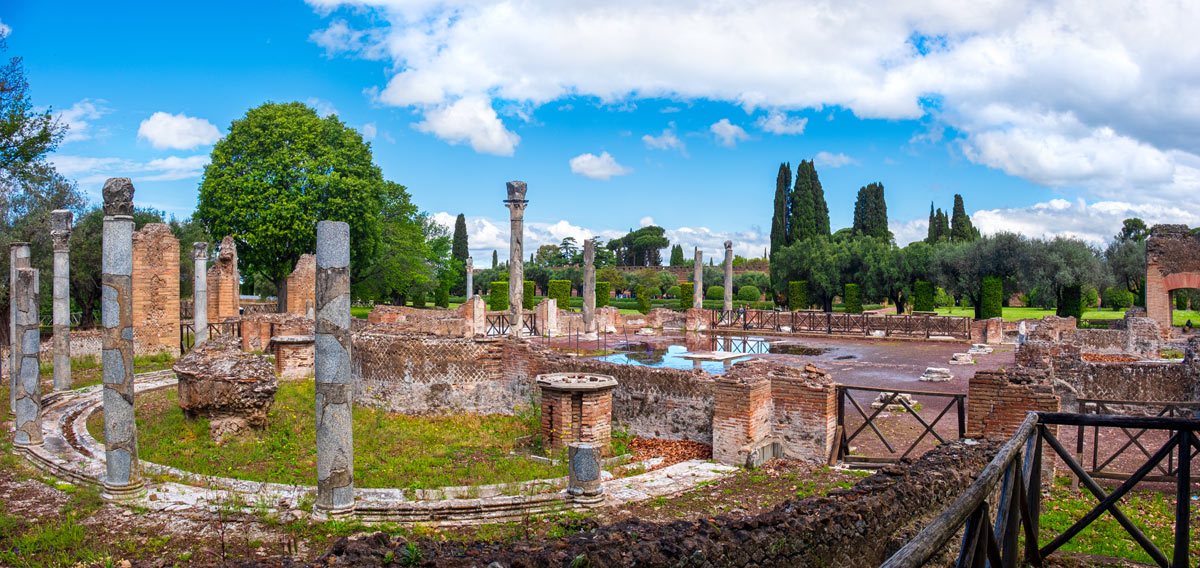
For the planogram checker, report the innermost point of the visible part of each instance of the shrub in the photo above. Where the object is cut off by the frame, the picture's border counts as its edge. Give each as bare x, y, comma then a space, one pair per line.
601, 294
1181, 300
1071, 305
643, 299
687, 298
528, 300
851, 300
797, 295
674, 291
942, 298
1117, 297
418, 297
714, 293
922, 296
749, 294
498, 297
1091, 297
441, 297
991, 298
560, 291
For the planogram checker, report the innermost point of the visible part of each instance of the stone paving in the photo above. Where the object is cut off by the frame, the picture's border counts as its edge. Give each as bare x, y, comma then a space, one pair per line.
70, 453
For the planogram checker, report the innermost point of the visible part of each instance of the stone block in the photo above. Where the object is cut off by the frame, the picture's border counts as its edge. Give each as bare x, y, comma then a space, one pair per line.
230, 387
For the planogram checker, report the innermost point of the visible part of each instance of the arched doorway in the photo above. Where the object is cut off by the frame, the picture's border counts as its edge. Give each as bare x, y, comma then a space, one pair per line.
1172, 263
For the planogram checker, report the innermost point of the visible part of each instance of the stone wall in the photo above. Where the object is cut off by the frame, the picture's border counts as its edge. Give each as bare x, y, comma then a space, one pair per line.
224, 289
257, 329
463, 321
302, 286
997, 401
1172, 262
765, 409
156, 289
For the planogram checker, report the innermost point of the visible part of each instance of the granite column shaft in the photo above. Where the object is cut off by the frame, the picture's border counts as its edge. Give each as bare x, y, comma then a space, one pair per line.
516, 203
698, 279
116, 305
728, 275
470, 290
589, 286
60, 233
335, 439
200, 292
25, 352
18, 257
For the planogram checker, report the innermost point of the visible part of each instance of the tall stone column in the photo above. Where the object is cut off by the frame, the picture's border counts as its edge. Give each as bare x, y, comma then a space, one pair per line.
698, 278
18, 257
335, 439
589, 286
470, 291
60, 233
116, 305
728, 275
200, 292
25, 352
516, 203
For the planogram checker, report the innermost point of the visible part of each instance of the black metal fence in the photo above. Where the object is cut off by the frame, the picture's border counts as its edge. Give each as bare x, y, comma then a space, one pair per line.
842, 323
500, 324
1105, 461
898, 400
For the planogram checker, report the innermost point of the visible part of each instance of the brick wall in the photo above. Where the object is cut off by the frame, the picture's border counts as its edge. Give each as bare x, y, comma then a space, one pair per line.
302, 286
223, 284
155, 294
294, 359
997, 402
742, 410
257, 329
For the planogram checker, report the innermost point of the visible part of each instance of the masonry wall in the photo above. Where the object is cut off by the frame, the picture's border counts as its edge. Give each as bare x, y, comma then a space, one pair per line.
224, 293
155, 293
257, 329
302, 286
998, 401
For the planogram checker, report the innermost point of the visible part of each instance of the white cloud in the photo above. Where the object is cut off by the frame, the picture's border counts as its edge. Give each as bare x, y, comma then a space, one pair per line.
78, 116
907, 232
89, 170
777, 122
472, 120
646, 221
602, 167
1094, 222
177, 131
668, 140
727, 133
323, 107
369, 130
4, 30
830, 160
340, 39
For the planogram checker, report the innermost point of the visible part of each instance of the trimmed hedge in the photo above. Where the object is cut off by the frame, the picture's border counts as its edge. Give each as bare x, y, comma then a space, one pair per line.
1181, 300
687, 297
851, 299
1071, 305
601, 294
923, 296
715, 293
441, 297
749, 293
418, 298
991, 298
560, 291
528, 300
673, 291
498, 297
797, 295
643, 299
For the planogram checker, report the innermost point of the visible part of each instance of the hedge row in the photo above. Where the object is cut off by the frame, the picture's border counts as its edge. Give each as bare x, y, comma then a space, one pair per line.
715, 293
1071, 305
441, 297
601, 294
418, 297
923, 296
643, 299
528, 300
560, 291
498, 297
749, 293
851, 299
991, 298
686, 295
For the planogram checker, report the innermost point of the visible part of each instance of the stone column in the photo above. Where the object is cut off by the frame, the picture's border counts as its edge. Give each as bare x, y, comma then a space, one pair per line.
28, 388
60, 233
470, 291
728, 276
116, 305
589, 286
698, 277
583, 463
335, 440
200, 292
516, 203
18, 257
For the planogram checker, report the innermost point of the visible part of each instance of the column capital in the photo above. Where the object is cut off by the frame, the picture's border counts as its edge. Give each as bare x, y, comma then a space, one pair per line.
200, 251
118, 197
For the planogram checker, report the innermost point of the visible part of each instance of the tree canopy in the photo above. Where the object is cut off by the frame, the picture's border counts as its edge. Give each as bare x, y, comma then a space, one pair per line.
870, 213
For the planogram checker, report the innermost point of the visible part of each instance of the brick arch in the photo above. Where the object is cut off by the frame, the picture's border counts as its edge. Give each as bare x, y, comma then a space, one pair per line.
1172, 262
1181, 280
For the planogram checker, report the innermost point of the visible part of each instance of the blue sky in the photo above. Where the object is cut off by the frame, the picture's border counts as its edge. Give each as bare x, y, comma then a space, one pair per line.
1049, 118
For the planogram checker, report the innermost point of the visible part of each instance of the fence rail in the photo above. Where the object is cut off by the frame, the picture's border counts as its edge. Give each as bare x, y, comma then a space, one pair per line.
1104, 463
187, 332
1017, 470
841, 323
500, 324
891, 398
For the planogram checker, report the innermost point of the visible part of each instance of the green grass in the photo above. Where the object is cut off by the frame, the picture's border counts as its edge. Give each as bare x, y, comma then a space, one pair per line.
360, 312
1014, 314
390, 450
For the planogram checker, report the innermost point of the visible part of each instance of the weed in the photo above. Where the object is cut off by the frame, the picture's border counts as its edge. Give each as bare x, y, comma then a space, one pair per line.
411, 555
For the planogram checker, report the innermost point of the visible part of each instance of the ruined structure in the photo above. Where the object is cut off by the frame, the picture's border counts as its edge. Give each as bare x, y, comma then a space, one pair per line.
122, 476
156, 289
230, 387
728, 276
200, 292
60, 234
1172, 263
516, 203
224, 284
27, 386
470, 270
335, 442
301, 286
576, 408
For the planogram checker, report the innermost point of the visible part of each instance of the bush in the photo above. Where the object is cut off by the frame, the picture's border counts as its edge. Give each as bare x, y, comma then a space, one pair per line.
643, 299
418, 297
441, 297
1181, 300
1091, 297
498, 297
749, 294
922, 296
797, 295
673, 291
851, 300
715, 293
991, 298
942, 298
687, 297
601, 294
528, 300
560, 291
1071, 305
1117, 297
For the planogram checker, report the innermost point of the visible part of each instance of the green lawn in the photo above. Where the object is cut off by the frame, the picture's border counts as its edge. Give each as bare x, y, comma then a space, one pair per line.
390, 450
1014, 314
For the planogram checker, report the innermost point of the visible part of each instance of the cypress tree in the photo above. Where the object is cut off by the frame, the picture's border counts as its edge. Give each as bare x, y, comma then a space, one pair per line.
931, 233
803, 217
960, 224
458, 248
779, 221
820, 208
870, 212
495, 259
677, 255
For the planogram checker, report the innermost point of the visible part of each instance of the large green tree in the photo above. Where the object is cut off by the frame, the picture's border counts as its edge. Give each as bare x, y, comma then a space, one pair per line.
870, 212
27, 134
280, 170
642, 247
818, 260
1126, 256
961, 229
459, 251
411, 251
779, 219
1061, 265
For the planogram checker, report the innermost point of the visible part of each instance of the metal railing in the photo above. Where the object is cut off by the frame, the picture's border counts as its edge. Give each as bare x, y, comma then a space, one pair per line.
1017, 470
841, 323
891, 398
1104, 464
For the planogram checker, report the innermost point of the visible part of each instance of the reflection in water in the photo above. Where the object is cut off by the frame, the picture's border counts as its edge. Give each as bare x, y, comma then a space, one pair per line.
669, 358
798, 350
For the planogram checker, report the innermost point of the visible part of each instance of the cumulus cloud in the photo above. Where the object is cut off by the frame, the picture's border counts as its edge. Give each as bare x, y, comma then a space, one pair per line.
91, 170
471, 120
79, 116
727, 133
177, 131
777, 122
323, 107
369, 130
1094, 222
668, 140
830, 160
4, 30
602, 167
646, 221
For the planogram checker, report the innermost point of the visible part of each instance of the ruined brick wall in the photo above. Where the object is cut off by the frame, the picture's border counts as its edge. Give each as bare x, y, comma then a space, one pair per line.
1172, 262
294, 360
257, 329
224, 284
805, 418
997, 402
760, 403
302, 286
741, 416
155, 293
458, 322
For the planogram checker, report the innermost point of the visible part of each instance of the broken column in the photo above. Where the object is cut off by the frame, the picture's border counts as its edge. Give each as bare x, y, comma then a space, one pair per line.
27, 386
200, 292
116, 304
18, 257
516, 203
728, 276
583, 461
470, 289
698, 279
589, 286
60, 234
335, 441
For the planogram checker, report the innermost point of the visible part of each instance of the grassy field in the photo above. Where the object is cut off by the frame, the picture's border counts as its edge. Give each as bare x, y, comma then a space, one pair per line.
1014, 314
390, 450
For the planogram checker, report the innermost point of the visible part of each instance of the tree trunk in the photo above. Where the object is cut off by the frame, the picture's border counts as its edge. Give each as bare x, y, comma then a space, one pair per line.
828, 305
898, 300
281, 294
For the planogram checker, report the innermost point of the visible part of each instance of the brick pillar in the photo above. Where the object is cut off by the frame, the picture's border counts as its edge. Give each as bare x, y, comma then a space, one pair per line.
224, 294
1158, 299
300, 285
741, 416
156, 289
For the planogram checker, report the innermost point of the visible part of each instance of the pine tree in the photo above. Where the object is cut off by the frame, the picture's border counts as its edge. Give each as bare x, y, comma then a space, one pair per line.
802, 219
820, 208
960, 224
458, 248
779, 221
870, 212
